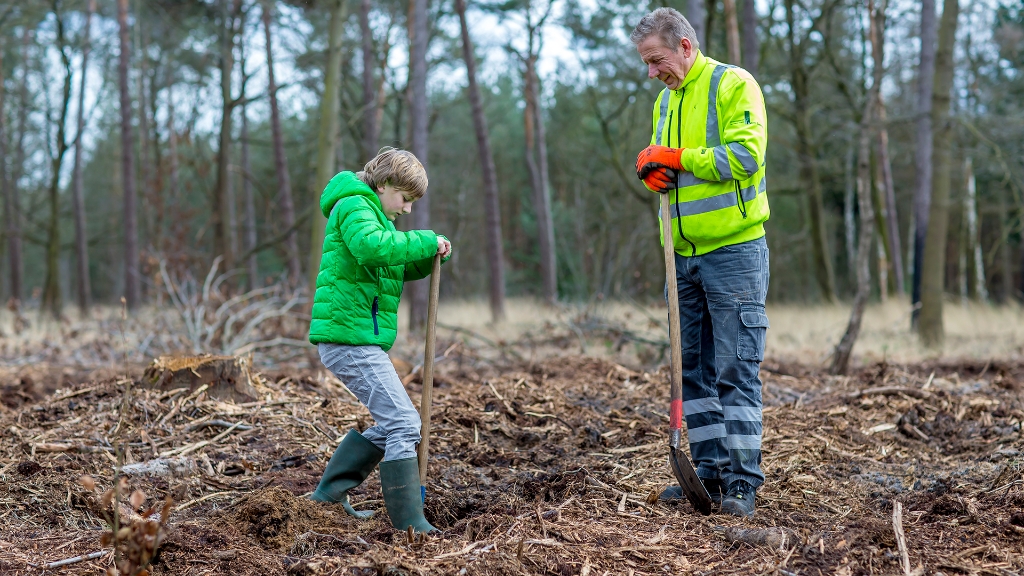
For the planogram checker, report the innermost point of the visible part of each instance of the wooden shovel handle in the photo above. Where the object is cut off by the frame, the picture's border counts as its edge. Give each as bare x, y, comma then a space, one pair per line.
676, 390
428, 369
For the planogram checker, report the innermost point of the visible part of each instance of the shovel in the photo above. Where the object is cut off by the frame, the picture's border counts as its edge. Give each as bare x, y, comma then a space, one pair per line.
677, 458
423, 450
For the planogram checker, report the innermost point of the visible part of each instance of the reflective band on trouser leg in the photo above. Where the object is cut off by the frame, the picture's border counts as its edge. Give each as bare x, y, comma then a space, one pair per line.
705, 433
744, 157
665, 94
717, 202
722, 162
701, 405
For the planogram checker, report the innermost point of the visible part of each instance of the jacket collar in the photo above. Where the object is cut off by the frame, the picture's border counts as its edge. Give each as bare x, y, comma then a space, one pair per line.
699, 64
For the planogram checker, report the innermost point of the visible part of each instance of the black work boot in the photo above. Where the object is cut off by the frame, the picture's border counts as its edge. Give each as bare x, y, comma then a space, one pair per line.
400, 482
354, 460
712, 485
739, 500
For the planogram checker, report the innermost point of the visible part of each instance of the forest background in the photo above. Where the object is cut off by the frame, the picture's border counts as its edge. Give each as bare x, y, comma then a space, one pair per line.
144, 141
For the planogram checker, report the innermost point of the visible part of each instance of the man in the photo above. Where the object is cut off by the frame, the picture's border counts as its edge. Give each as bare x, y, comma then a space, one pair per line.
708, 152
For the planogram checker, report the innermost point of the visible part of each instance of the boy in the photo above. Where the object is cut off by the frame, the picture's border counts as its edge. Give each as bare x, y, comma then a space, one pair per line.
355, 320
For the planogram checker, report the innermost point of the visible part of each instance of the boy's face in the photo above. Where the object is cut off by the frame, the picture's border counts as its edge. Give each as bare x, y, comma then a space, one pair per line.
395, 202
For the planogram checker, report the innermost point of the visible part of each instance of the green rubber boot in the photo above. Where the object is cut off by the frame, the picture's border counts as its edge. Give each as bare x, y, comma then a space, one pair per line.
400, 482
352, 462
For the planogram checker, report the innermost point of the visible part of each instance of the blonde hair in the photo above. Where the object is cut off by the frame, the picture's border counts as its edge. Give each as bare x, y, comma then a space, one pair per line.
399, 168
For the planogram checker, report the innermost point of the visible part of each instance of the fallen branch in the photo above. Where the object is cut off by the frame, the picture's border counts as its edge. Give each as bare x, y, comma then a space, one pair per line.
901, 537
74, 560
890, 391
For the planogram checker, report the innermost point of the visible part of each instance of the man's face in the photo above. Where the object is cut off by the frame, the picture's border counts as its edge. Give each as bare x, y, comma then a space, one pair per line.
668, 65
394, 202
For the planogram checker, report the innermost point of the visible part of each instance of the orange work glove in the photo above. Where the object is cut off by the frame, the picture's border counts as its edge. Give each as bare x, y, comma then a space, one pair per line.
654, 156
661, 179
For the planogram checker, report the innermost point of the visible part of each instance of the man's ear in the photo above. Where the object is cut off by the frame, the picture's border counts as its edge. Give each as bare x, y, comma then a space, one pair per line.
686, 46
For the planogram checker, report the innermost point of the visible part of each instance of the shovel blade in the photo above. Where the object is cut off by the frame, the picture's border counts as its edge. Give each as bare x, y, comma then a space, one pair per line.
689, 481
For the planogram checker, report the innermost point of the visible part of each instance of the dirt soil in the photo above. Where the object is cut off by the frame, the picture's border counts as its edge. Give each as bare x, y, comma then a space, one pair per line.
536, 468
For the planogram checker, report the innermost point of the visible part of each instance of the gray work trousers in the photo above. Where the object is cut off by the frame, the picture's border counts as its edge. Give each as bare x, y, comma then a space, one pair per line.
369, 374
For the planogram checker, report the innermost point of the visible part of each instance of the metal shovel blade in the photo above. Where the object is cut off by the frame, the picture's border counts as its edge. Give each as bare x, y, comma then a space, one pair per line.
694, 489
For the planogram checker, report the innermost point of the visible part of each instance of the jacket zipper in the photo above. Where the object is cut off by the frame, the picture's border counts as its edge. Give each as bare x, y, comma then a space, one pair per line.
679, 143
739, 200
373, 311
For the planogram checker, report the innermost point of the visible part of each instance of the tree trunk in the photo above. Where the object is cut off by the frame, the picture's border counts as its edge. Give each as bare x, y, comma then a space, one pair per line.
923, 150
934, 265
732, 31
325, 159
808, 164
172, 169
1005, 269
223, 215
891, 220
5, 183
751, 49
971, 212
843, 352
13, 209
145, 174
492, 207
536, 162
369, 85
284, 185
697, 16
83, 292
849, 218
131, 232
417, 92
252, 270
51, 298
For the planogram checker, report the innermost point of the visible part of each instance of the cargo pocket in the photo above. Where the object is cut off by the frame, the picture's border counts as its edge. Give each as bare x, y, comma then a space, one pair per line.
753, 325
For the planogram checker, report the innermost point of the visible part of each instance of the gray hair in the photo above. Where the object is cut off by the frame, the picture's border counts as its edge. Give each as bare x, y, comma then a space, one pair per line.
669, 25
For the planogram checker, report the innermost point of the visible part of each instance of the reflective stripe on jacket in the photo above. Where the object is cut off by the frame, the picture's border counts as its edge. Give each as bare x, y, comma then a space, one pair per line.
718, 116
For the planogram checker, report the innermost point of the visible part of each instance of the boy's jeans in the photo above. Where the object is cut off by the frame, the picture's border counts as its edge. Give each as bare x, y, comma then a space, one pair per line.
723, 325
369, 374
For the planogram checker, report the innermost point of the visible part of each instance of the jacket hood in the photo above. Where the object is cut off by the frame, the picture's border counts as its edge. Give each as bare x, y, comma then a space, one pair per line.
345, 185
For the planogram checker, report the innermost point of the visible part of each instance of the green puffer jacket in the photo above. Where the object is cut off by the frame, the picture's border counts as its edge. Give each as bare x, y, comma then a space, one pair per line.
366, 262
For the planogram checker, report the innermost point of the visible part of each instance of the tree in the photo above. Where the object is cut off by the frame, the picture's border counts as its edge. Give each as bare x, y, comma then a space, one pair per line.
12, 200
418, 126
844, 350
696, 15
131, 231
934, 262
369, 110
492, 218
51, 298
800, 71
751, 50
83, 292
325, 154
732, 31
536, 150
923, 148
252, 269
284, 185
884, 167
223, 214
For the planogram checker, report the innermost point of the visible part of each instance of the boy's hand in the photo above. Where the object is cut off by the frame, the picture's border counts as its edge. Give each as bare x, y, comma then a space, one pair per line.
444, 247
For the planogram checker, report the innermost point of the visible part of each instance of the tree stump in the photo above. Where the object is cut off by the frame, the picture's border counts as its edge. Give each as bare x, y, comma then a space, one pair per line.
228, 377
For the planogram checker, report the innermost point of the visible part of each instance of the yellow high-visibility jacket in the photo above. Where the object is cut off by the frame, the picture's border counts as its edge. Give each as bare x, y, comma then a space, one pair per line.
718, 116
